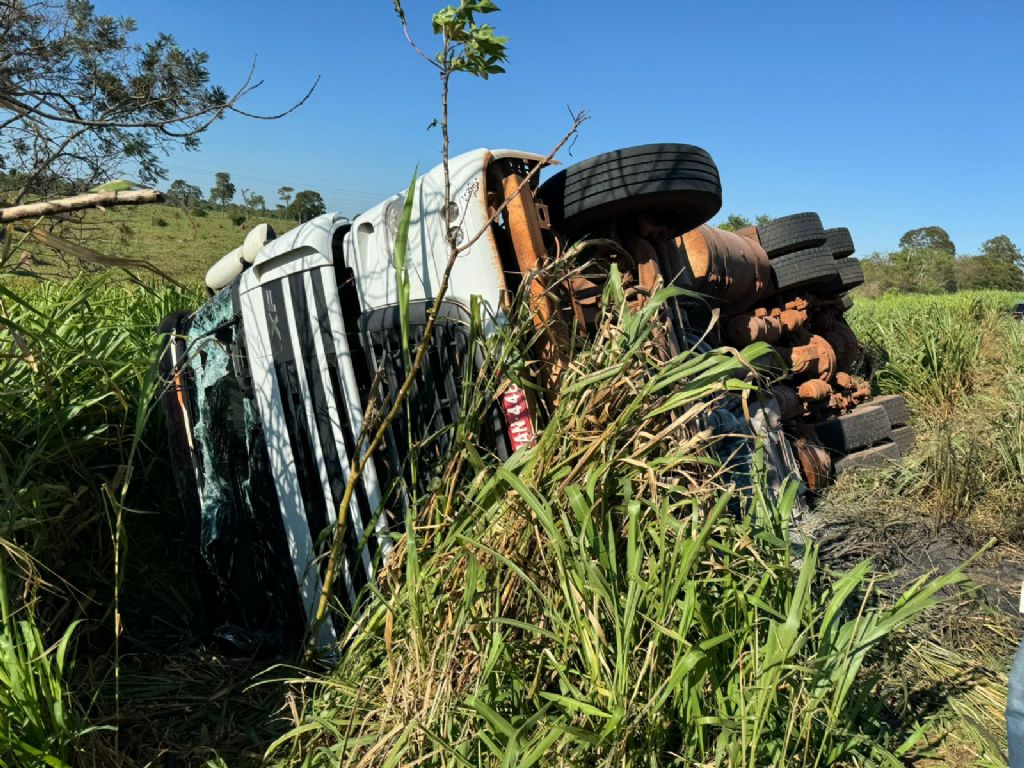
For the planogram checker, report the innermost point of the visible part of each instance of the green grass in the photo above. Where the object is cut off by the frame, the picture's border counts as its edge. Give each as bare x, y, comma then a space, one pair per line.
39, 718
185, 246
599, 601
80, 464
117, 185
79, 358
603, 599
959, 360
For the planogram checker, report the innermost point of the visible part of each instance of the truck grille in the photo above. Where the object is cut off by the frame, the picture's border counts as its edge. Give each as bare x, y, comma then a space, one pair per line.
435, 402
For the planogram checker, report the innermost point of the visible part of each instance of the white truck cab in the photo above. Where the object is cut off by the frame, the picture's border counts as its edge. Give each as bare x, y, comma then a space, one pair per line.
285, 350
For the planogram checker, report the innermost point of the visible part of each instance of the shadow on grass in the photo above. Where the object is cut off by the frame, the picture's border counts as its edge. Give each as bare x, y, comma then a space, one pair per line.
173, 699
189, 708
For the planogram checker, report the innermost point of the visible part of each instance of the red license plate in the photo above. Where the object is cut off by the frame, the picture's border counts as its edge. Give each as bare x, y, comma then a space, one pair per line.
517, 418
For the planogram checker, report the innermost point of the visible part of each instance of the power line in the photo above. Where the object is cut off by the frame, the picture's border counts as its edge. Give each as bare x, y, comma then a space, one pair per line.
277, 176
281, 180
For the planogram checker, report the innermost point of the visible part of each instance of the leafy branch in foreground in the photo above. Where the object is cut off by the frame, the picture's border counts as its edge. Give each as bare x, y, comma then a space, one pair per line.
79, 98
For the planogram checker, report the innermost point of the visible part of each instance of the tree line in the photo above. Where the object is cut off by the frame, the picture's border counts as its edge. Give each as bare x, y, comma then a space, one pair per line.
300, 206
927, 262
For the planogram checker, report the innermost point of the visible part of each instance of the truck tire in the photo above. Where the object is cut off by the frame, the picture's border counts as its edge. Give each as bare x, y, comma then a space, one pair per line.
865, 426
904, 438
895, 408
846, 302
678, 184
850, 272
839, 241
791, 233
876, 456
795, 270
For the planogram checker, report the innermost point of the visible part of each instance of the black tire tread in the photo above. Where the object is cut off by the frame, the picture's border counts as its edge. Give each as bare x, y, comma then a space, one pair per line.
865, 426
636, 173
904, 438
678, 183
596, 194
895, 408
801, 268
869, 458
787, 234
850, 272
839, 241
645, 151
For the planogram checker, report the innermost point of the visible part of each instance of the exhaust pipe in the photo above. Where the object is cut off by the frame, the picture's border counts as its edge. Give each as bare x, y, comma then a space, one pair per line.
234, 262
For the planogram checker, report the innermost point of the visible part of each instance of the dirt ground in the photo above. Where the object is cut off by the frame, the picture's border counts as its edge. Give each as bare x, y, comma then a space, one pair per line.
907, 547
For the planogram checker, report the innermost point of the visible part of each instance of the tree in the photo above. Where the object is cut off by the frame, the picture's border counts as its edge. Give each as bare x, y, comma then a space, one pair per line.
223, 191
925, 263
306, 205
998, 266
928, 238
733, 222
1002, 248
81, 100
285, 193
877, 274
923, 270
182, 193
253, 201
988, 272
911, 270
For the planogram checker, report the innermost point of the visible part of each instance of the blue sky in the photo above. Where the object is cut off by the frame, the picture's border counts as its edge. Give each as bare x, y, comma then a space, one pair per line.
881, 116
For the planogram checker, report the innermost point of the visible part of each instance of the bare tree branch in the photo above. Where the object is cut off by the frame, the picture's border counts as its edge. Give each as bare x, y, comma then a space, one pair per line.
79, 203
405, 29
279, 115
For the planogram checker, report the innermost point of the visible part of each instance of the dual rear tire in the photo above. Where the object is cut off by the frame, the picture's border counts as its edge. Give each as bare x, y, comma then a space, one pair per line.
871, 435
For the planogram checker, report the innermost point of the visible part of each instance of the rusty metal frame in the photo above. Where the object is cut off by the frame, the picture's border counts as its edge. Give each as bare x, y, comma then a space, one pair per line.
525, 220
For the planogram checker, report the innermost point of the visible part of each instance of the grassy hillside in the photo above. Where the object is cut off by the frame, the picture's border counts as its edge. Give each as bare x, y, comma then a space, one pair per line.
181, 244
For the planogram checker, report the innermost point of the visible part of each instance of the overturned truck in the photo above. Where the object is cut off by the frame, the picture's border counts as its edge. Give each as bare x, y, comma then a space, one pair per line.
270, 381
